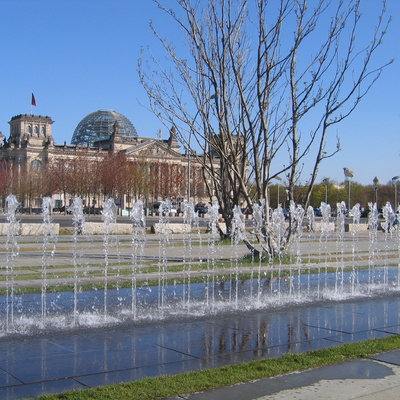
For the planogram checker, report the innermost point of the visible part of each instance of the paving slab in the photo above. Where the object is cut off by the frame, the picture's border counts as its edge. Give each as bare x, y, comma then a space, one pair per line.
392, 357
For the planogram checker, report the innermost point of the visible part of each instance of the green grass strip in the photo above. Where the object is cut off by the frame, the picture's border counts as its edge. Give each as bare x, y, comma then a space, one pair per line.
190, 382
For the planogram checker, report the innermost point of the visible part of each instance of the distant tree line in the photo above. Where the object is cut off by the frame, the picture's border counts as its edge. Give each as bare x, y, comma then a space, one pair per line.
333, 193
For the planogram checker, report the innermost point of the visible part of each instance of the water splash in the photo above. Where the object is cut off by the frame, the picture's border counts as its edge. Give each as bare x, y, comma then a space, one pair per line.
373, 226
340, 230
78, 222
238, 235
191, 222
12, 249
108, 213
355, 213
278, 236
260, 236
213, 236
389, 218
48, 250
164, 241
296, 219
138, 245
324, 239
398, 242
311, 236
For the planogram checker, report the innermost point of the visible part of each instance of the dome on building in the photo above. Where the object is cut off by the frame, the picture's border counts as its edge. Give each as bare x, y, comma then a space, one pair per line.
100, 125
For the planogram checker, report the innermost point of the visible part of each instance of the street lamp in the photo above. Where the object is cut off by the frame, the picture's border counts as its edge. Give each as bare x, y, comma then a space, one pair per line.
376, 180
326, 180
395, 180
348, 173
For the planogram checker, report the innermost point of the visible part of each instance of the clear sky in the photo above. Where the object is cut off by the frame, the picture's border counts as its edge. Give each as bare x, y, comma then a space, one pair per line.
80, 56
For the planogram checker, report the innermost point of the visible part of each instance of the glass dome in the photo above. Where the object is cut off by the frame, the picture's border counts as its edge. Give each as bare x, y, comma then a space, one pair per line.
100, 125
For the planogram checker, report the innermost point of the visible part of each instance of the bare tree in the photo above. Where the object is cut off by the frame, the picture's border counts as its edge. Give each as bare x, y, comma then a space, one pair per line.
58, 171
6, 180
259, 86
141, 180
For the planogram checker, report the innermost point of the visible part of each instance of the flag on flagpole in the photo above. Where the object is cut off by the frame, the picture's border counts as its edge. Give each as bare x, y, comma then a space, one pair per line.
33, 102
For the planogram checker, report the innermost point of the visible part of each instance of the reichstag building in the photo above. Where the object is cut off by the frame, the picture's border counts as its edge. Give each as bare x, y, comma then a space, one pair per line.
29, 150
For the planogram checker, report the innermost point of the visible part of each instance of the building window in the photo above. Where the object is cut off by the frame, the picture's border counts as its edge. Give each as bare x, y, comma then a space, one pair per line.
36, 130
43, 130
58, 203
29, 129
36, 165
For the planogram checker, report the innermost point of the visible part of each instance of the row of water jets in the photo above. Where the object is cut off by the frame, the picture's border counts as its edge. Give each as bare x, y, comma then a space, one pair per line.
269, 281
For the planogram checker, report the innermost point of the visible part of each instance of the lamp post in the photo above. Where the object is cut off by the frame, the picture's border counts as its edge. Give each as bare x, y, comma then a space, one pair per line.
348, 173
326, 180
375, 181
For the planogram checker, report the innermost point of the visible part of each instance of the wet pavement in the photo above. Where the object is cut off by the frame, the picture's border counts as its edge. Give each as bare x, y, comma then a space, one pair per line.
54, 362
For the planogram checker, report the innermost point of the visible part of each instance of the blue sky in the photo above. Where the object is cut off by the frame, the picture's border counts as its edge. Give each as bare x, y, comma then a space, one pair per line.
80, 56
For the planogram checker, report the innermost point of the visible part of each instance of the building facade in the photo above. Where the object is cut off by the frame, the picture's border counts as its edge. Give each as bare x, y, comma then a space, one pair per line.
106, 155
